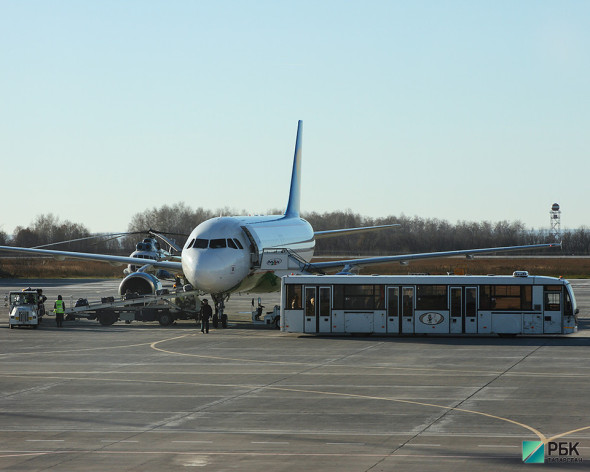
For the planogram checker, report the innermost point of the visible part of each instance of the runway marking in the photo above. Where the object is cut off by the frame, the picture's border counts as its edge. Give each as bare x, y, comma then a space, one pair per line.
45, 440
117, 441
268, 442
65, 351
194, 442
154, 344
238, 454
493, 445
411, 369
344, 444
540, 435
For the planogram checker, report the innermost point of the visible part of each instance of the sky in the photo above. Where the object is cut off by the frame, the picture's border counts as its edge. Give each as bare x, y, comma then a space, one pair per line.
457, 110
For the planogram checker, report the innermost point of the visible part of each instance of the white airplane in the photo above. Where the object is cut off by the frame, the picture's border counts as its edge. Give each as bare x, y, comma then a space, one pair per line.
250, 253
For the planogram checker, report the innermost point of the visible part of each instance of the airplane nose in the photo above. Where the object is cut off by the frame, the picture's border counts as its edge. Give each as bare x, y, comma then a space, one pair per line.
212, 270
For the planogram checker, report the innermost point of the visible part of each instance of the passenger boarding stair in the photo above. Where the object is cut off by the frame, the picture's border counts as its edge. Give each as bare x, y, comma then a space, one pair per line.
284, 262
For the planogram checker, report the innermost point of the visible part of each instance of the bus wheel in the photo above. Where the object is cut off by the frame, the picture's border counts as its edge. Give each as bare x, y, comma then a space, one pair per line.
166, 319
277, 322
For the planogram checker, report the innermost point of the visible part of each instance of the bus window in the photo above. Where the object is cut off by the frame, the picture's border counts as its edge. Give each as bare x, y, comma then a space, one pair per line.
324, 301
431, 297
294, 297
358, 297
505, 297
393, 301
471, 301
408, 302
456, 301
310, 301
552, 301
569, 310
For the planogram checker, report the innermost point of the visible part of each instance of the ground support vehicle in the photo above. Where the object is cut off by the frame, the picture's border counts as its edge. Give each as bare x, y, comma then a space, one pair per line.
25, 309
271, 318
428, 304
163, 307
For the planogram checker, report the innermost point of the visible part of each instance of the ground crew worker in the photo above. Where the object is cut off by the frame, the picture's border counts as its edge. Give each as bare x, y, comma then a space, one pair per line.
206, 313
59, 308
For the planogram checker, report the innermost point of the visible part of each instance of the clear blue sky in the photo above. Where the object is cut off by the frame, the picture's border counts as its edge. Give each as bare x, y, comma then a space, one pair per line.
460, 110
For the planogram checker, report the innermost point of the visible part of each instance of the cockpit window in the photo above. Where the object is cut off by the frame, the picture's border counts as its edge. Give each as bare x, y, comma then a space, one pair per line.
201, 243
238, 243
190, 244
217, 243
231, 244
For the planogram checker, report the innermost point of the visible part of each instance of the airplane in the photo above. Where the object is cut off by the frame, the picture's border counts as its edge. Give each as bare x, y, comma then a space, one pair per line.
230, 254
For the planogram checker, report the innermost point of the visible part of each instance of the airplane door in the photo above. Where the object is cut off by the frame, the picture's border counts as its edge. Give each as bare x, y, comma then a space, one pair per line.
408, 310
311, 321
325, 310
393, 316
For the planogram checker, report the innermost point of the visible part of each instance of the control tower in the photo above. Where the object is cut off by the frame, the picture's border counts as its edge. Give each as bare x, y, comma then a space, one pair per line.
555, 215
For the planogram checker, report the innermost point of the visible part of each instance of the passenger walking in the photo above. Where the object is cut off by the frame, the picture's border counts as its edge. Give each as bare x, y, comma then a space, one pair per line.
206, 313
59, 308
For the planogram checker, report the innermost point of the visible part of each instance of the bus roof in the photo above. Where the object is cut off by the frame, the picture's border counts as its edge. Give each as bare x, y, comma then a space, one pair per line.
425, 279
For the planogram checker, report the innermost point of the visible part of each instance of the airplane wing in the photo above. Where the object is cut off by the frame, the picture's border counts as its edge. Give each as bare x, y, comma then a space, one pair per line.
115, 260
341, 232
347, 264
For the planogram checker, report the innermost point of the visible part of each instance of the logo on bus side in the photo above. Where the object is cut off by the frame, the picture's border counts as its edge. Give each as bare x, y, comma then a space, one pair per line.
432, 318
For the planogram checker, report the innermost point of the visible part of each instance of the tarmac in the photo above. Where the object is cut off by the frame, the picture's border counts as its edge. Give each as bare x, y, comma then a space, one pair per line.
141, 397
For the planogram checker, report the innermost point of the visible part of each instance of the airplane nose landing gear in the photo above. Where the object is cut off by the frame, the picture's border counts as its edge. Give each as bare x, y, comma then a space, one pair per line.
219, 314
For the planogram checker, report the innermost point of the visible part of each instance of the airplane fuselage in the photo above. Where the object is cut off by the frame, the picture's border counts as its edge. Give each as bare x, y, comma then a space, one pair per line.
223, 255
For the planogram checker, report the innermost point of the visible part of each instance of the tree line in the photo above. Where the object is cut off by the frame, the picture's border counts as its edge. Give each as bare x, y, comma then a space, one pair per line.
413, 235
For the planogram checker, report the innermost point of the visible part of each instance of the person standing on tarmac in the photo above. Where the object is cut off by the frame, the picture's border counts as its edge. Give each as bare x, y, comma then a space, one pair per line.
59, 308
206, 313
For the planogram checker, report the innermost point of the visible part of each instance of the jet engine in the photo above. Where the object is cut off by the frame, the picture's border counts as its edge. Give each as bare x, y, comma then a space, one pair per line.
140, 282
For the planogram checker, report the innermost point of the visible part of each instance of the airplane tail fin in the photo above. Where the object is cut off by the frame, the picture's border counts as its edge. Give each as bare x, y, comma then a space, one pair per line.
295, 192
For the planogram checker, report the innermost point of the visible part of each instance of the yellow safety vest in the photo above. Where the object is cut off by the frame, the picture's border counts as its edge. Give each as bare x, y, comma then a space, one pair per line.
59, 306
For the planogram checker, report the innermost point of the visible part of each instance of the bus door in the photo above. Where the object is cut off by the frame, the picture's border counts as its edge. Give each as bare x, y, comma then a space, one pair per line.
393, 311
470, 309
408, 310
463, 303
552, 309
311, 321
457, 312
324, 315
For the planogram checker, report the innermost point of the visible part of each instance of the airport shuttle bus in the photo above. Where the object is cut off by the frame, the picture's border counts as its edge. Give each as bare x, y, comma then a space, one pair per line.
428, 304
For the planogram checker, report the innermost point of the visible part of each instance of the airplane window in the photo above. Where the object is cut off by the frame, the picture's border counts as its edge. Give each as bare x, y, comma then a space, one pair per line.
190, 244
238, 243
231, 244
217, 243
201, 243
